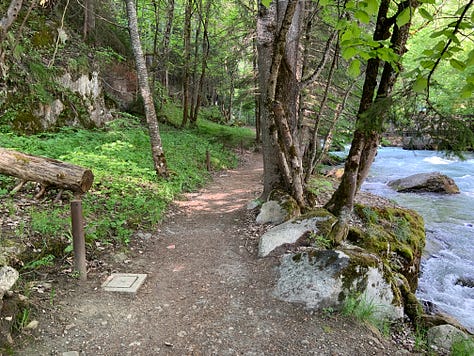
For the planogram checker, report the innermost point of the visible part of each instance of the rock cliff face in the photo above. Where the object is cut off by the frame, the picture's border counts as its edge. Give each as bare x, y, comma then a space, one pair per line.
88, 110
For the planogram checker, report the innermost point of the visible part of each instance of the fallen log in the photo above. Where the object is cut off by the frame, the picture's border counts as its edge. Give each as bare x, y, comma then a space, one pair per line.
47, 172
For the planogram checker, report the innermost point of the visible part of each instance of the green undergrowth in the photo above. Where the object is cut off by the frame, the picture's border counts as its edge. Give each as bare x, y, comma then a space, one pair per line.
126, 195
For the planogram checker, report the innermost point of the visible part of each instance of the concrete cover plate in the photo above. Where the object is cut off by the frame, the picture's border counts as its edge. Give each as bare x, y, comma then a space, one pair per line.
124, 282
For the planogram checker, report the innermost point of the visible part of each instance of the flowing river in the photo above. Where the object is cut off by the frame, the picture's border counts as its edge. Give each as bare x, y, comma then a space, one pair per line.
447, 269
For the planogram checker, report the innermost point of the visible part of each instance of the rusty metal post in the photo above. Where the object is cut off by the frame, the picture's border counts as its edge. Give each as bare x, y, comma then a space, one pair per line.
78, 240
208, 160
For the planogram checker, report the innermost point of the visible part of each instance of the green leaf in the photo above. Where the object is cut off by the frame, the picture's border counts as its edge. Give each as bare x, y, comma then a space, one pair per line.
425, 14
351, 5
266, 3
372, 7
362, 16
467, 90
349, 52
439, 33
460, 10
421, 83
456, 64
427, 64
354, 68
324, 2
404, 17
470, 59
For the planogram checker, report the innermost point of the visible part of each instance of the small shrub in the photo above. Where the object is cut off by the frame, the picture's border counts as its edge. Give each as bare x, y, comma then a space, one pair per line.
365, 310
320, 241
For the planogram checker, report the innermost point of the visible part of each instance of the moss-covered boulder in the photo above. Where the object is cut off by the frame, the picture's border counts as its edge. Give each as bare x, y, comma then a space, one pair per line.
305, 227
328, 278
279, 207
379, 262
395, 234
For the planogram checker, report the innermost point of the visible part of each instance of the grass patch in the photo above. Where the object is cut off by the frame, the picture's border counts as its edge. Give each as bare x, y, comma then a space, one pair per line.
463, 347
126, 194
365, 311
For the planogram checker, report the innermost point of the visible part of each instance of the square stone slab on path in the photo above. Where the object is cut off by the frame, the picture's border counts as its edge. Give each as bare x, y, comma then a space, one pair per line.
124, 282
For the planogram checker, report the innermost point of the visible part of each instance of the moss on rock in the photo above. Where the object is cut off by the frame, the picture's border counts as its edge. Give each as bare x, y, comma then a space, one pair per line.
286, 201
396, 234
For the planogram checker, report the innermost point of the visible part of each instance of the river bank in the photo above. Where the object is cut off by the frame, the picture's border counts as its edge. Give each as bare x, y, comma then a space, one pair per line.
449, 254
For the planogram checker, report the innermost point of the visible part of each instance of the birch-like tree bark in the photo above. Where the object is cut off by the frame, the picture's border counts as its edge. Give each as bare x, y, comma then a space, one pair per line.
158, 154
10, 17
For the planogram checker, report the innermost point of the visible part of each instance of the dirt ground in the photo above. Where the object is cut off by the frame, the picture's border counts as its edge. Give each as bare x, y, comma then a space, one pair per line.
206, 292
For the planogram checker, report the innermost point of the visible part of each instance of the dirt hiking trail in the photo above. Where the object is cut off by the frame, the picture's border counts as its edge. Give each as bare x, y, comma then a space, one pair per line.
206, 292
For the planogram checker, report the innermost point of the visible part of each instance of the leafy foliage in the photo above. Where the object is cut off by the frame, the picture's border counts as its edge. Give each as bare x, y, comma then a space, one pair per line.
125, 183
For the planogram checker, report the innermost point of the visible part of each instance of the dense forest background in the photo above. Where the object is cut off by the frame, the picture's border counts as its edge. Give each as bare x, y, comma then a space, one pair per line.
202, 54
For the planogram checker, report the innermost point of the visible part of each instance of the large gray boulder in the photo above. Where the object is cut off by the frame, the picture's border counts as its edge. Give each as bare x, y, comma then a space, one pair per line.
433, 182
271, 212
291, 231
326, 278
441, 338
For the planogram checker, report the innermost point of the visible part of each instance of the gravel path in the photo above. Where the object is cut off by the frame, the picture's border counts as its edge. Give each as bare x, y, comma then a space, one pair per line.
206, 292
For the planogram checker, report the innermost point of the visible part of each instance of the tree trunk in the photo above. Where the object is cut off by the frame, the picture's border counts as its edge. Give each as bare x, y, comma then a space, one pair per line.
205, 55
166, 44
89, 18
12, 13
258, 130
278, 31
187, 60
46, 171
372, 112
154, 133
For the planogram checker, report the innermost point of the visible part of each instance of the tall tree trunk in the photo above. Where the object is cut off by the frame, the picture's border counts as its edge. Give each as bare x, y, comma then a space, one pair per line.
278, 31
166, 45
187, 62
5, 23
258, 129
205, 55
155, 139
89, 18
372, 112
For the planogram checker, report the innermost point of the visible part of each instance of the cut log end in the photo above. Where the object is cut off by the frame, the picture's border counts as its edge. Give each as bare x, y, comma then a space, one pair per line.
87, 180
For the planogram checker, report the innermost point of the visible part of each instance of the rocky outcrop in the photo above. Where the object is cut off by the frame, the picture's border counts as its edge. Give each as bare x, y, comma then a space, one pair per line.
378, 263
8, 277
433, 182
81, 104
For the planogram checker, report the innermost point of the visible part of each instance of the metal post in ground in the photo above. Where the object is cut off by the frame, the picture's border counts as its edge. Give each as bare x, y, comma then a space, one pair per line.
79, 243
